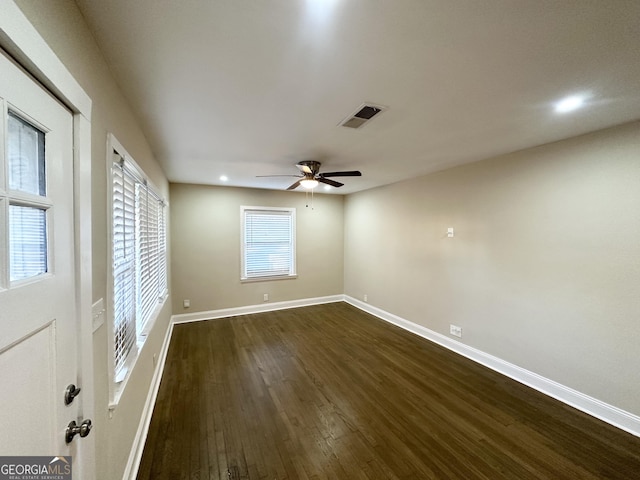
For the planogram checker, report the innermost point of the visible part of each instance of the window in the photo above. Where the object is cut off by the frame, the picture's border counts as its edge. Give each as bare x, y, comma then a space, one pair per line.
268, 243
27, 242
139, 263
28, 202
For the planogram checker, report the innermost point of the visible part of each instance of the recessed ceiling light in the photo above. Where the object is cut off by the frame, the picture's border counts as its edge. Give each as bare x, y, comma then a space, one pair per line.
327, 187
570, 103
223, 178
320, 10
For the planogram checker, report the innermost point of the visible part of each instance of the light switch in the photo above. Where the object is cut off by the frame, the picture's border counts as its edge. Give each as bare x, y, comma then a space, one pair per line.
97, 313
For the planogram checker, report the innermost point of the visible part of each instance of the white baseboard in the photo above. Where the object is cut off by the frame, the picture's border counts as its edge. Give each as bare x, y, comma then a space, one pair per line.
133, 463
261, 307
608, 413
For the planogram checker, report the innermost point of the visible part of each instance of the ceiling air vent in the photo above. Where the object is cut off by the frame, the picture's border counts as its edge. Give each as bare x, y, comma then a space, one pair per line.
364, 113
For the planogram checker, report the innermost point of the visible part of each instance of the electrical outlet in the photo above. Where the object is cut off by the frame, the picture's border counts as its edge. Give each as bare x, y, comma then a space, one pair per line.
186, 303
455, 330
366, 298
265, 297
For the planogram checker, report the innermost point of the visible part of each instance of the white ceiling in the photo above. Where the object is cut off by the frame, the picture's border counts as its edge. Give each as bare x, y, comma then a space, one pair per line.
246, 87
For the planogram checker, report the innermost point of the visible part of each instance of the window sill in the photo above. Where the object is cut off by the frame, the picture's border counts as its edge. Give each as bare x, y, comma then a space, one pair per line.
268, 279
119, 385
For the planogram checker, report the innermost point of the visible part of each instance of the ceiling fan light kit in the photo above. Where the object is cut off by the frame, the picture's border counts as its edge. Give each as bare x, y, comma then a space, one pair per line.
307, 183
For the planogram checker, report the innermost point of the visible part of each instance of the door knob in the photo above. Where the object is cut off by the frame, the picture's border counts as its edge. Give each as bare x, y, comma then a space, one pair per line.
74, 429
70, 393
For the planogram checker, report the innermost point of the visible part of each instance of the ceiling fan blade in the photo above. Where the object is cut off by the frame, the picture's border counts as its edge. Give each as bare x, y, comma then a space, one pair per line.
304, 168
351, 173
333, 183
264, 176
294, 186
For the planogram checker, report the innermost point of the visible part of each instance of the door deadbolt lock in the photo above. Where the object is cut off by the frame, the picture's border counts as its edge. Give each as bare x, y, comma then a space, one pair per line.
74, 429
70, 393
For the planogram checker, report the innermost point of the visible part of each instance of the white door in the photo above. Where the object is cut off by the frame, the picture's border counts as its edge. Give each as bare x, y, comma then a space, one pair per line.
38, 326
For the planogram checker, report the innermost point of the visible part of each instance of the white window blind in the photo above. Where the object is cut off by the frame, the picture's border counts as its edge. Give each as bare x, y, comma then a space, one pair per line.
162, 251
268, 242
150, 262
27, 242
123, 267
139, 260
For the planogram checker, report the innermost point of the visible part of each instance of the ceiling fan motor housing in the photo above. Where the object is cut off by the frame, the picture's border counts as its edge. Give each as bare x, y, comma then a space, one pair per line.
309, 167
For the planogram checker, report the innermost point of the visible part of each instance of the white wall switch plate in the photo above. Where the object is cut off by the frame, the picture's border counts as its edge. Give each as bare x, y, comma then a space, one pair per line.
97, 314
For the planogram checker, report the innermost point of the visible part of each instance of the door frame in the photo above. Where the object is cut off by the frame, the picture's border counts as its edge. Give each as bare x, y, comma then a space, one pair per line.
20, 39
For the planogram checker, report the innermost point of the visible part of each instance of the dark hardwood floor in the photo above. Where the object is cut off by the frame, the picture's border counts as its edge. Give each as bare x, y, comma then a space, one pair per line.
330, 392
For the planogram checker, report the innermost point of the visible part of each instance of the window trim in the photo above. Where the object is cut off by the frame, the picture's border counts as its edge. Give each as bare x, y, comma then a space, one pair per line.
293, 273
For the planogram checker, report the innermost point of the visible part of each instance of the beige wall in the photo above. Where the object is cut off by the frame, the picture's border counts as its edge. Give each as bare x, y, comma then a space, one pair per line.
205, 234
63, 28
544, 268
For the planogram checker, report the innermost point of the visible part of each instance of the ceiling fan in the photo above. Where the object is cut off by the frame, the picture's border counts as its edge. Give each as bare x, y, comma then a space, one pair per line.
311, 176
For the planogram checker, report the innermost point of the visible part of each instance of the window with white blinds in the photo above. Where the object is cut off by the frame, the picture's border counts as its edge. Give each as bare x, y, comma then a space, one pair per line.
139, 259
268, 242
28, 203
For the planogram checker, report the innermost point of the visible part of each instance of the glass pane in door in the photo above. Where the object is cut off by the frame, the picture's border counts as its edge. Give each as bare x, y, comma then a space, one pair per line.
26, 157
27, 242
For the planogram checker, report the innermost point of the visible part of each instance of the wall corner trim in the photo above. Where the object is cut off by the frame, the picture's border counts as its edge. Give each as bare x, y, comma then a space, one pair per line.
596, 408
